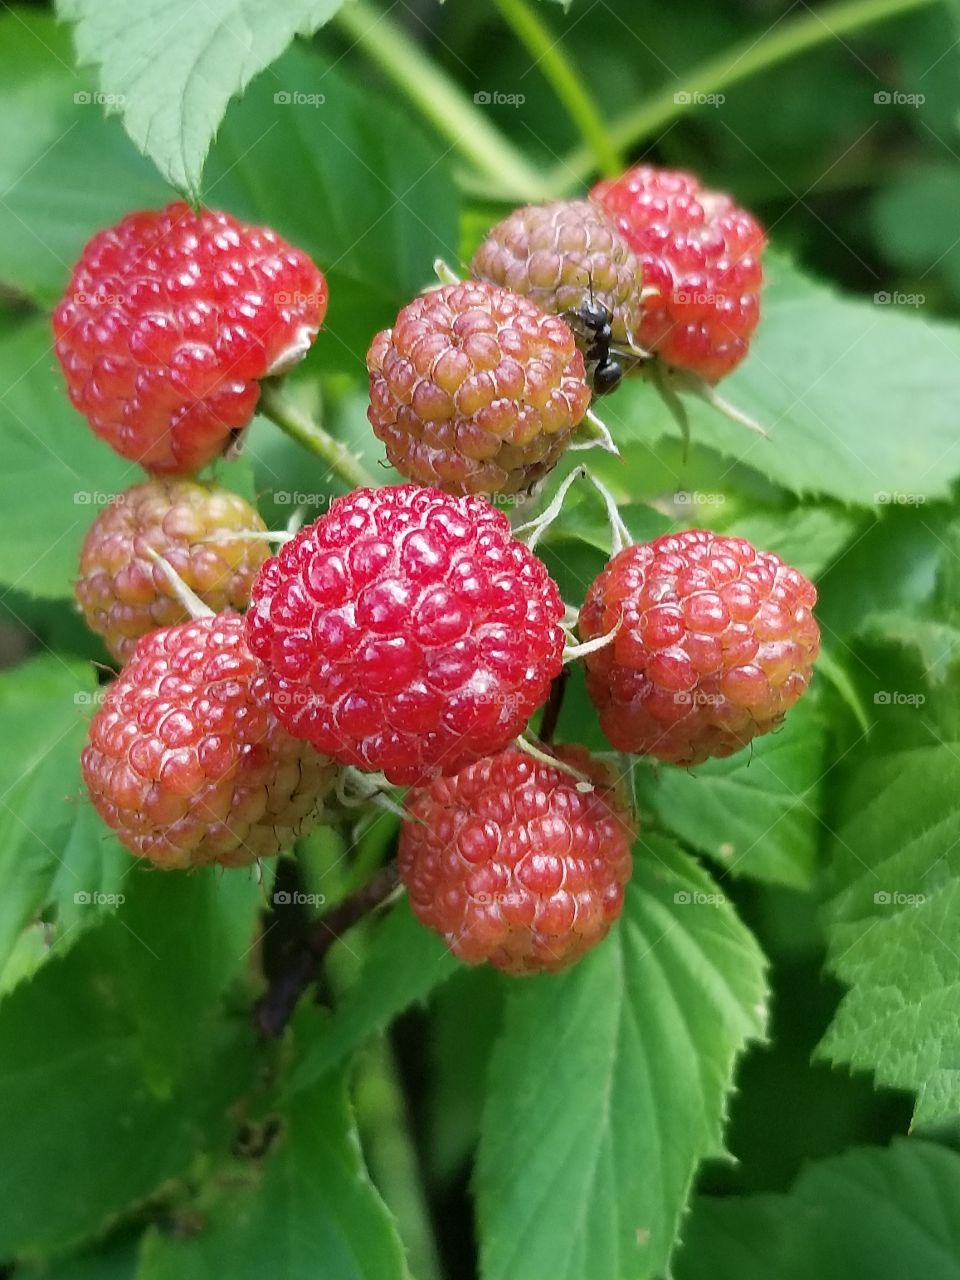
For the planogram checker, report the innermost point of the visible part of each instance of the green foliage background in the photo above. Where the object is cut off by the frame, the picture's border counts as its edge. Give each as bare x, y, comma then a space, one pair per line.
738, 1067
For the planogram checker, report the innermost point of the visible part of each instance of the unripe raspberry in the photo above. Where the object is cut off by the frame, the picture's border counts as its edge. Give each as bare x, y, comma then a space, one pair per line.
407, 631
168, 323
122, 590
716, 643
560, 255
475, 390
514, 865
701, 267
186, 761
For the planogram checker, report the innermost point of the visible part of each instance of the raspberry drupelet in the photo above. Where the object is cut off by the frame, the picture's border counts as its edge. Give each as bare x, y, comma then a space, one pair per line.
702, 273
475, 390
513, 864
407, 631
170, 320
186, 761
716, 643
122, 590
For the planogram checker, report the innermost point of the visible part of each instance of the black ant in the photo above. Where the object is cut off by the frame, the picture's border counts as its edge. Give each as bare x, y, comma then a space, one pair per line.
591, 322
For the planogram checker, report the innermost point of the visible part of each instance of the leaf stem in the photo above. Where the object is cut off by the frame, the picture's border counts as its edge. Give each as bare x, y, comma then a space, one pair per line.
441, 101
748, 58
550, 58
300, 426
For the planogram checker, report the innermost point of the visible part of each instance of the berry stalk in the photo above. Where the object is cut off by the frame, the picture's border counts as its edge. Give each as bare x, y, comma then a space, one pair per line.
300, 426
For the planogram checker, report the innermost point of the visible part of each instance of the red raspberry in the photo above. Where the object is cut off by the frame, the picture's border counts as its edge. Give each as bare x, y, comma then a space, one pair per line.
515, 866
562, 254
475, 390
186, 761
124, 593
407, 631
169, 321
716, 642
701, 264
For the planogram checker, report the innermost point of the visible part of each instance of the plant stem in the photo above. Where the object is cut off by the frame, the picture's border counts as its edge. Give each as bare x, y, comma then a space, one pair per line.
549, 56
276, 1007
441, 100
748, 58
300, 426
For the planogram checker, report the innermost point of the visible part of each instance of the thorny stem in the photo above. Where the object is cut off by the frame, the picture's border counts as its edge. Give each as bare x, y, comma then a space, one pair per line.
550, 58
299, 425
276, 1007
441, 100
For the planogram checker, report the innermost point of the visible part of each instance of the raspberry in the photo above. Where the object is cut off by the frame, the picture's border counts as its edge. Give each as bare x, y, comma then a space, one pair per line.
515, 866
701, 267
716, 642
407, 631
475, 390
186, 761
169, 320
124, 593
562, 254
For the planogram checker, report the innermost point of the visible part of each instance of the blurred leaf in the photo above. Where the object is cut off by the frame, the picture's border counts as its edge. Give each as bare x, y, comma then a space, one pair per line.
913, 221
306, 1208
818, 378
114, 1048
757, 813
171, 73
404, 963
55, 855
117, 1259
870, 1214
894, 923
609, 1083
56, 473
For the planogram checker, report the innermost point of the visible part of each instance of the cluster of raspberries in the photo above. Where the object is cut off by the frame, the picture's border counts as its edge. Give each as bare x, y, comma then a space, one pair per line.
407, 632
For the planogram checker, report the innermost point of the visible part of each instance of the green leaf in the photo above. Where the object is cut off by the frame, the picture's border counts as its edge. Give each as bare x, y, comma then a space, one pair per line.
870, 1214
306, 1209
54, 138
894, 924
818, 371
609, 1083
115, 1047
172, 71
374, 224
404, 963
55, 855
56, 473
758, 812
